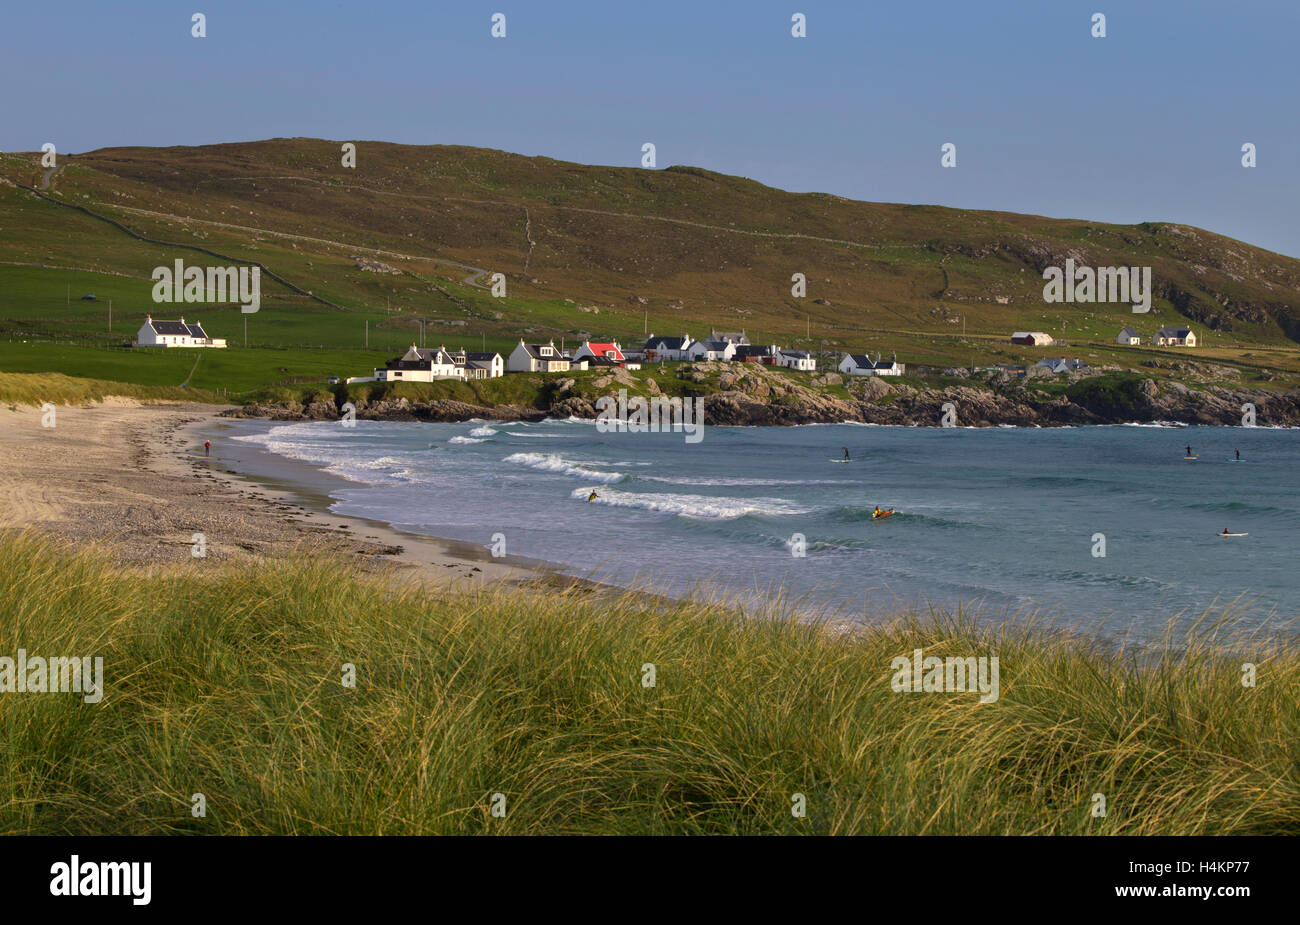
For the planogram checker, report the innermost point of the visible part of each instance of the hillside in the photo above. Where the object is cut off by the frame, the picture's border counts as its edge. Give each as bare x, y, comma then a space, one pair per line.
367, 255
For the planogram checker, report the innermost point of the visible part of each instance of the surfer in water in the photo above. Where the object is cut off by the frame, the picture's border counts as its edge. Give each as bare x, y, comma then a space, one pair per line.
1225, 532
593, 496
846, 453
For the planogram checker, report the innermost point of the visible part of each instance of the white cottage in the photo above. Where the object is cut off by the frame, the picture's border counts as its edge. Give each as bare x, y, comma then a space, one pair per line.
796, 359
537, 358
723, 350
669, 349
1175, 337
419, 364
859, 364
174, 334
478, 365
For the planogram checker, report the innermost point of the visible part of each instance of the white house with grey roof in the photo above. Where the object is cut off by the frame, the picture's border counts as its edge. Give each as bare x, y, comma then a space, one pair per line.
1175, 337
667, 349
419, 364
174, 334
537, 358
859, 364
722, 350
1128, 337
479, 365
736, 337
796, 359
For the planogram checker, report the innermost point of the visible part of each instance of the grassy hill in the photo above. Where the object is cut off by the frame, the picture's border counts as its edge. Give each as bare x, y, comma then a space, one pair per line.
407, 238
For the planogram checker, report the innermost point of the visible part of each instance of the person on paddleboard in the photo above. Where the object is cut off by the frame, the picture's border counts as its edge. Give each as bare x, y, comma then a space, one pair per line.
1238, 452
1225, 531
1189, 451
846, 453
877, 512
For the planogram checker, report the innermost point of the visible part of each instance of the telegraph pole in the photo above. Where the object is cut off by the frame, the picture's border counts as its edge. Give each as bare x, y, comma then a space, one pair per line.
367, 333
110, 316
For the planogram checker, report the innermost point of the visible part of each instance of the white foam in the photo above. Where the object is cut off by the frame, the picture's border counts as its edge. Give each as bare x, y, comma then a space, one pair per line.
549, 462
699, 507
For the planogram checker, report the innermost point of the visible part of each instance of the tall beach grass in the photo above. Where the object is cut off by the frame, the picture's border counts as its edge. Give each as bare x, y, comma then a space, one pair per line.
228, 682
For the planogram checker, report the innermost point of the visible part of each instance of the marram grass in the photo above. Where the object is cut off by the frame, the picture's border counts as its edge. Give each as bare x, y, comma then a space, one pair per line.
56, 388
227, 682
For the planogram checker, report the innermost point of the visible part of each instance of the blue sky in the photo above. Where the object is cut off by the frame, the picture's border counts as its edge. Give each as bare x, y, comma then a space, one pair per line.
1145, 124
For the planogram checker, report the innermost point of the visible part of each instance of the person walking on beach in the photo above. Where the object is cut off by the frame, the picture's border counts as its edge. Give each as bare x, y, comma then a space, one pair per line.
207, 447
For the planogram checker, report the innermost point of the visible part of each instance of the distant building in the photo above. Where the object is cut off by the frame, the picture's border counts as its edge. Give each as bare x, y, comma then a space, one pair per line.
610, 351
1062, 365
797, 359
174, 334
1032, 339
419, 364
1128, 338
859, 364
536, 358
480, 365
736, 337
1175, 337
667, 349
723, 350
751, 353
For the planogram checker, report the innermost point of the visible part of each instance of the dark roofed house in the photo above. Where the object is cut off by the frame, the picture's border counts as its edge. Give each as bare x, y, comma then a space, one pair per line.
756, 353
537, 358
736, 337
797, 359
859, 364
723, 350
1175, 337
667, 348
174, 334
421, 364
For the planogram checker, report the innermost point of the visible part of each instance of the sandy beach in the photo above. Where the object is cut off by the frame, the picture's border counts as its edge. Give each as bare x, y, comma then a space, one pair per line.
135, 477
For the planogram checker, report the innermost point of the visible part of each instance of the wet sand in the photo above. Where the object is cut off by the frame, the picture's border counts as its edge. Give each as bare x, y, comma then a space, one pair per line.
135, 477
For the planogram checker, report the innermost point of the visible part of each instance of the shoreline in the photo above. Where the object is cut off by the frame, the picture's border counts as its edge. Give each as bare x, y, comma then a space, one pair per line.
309, 495
129, 476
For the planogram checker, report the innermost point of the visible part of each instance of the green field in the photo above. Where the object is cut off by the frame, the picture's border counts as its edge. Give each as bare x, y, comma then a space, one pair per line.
593, 252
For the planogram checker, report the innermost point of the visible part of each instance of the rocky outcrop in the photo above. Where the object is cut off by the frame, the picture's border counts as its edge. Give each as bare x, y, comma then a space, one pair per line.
749, 398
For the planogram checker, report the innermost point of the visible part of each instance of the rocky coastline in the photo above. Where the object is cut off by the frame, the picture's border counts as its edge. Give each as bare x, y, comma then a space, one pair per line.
756, 398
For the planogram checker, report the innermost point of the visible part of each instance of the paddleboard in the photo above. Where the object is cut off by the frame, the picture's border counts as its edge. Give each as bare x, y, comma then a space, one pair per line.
1233, 534
1197, 456
882, 515
1230, 459
841, 460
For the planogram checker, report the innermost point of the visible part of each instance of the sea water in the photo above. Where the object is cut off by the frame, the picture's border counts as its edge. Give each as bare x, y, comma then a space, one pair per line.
1086, 526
